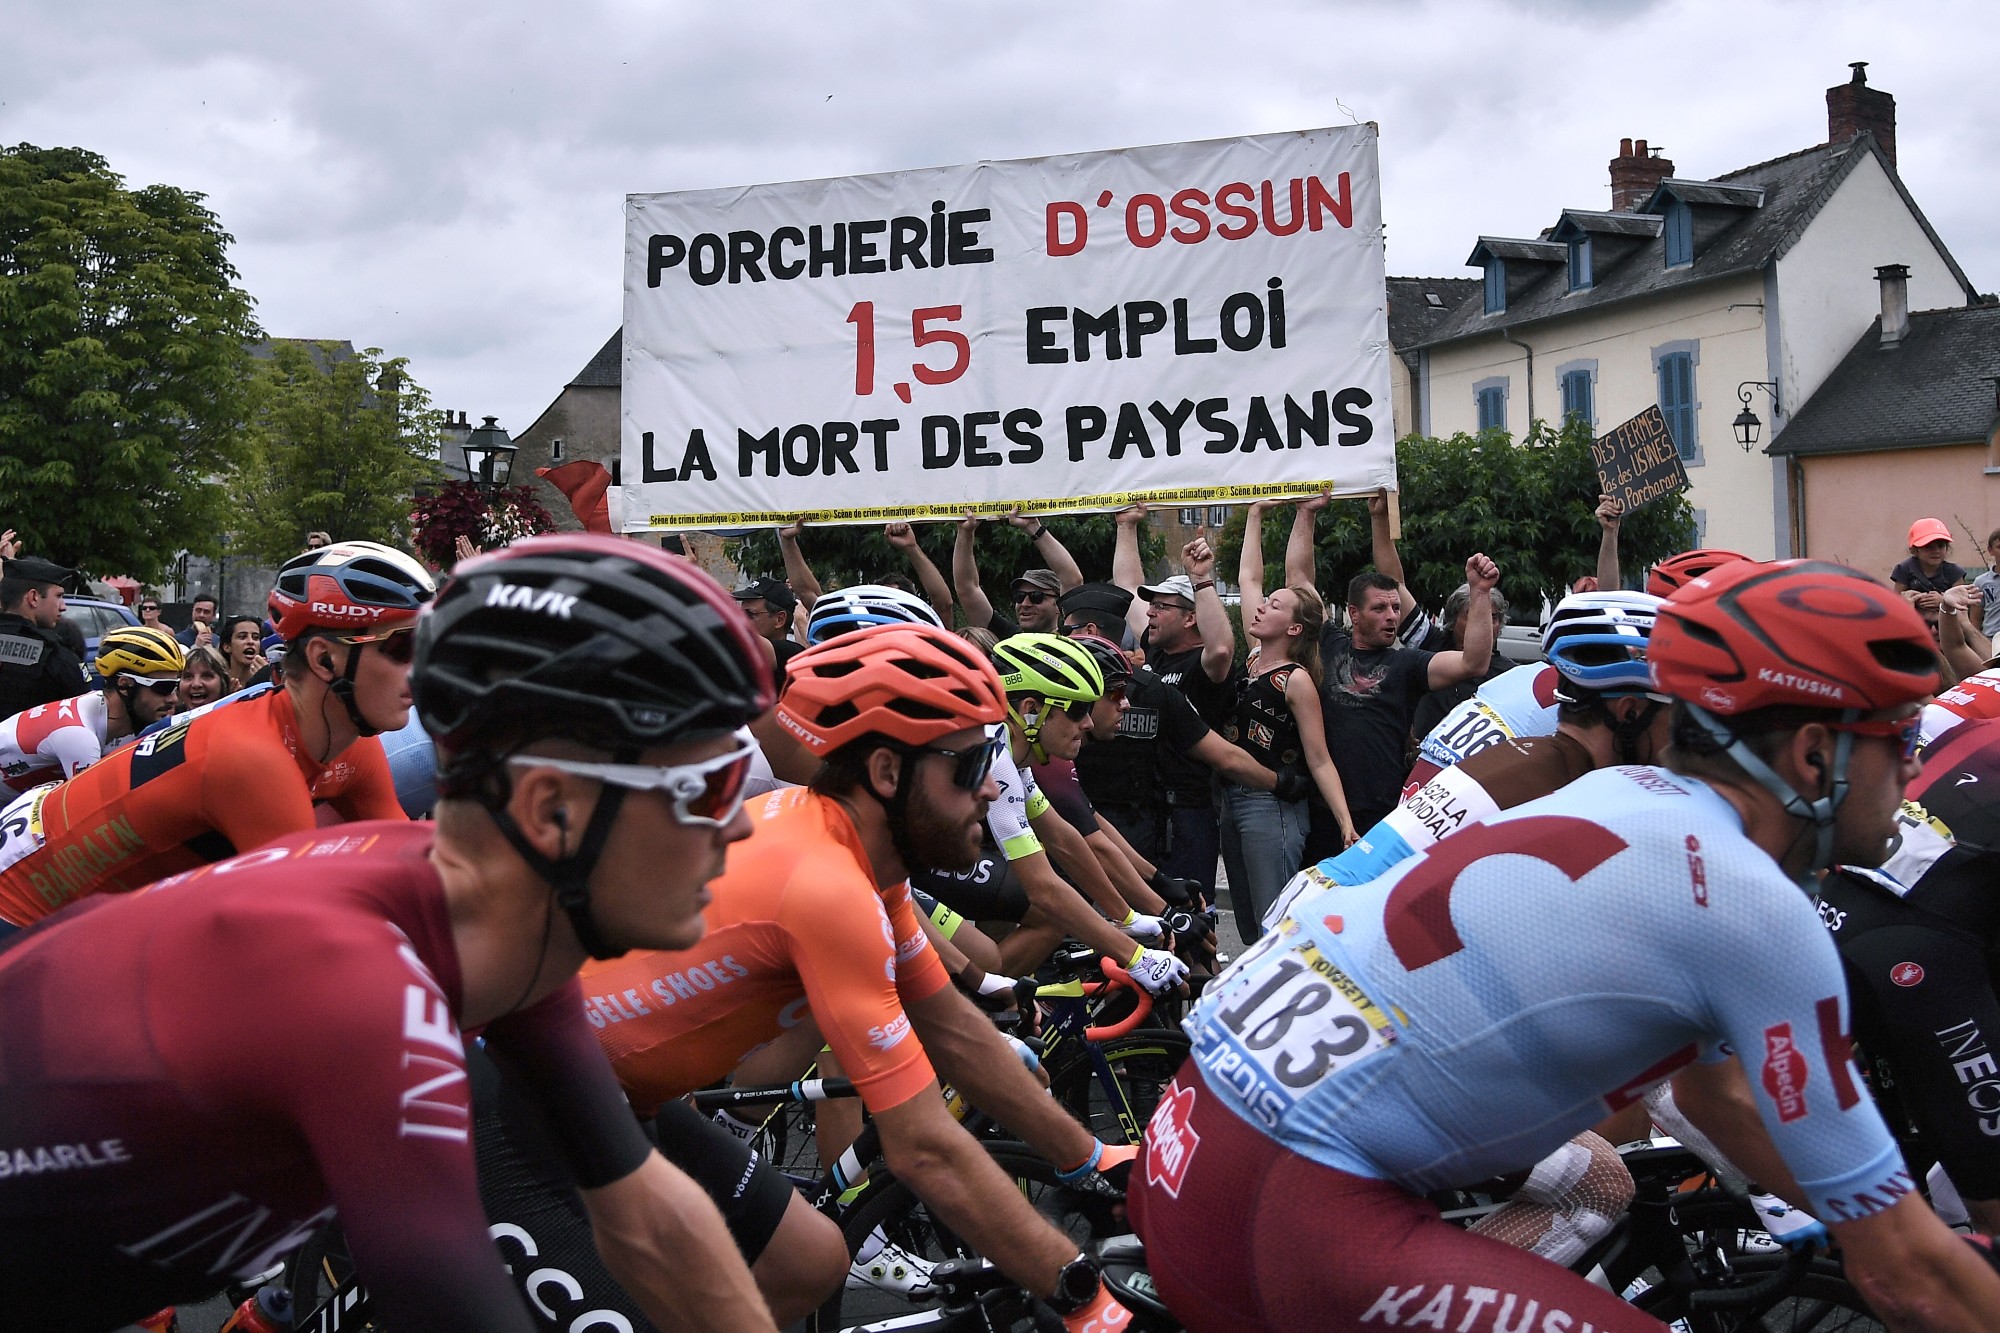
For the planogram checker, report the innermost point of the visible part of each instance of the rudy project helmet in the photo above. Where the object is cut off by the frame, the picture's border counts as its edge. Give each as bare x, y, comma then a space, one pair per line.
1675, 571
1796, 633
1059, 670
909, 683
609, 642
142, 650
361, 586
1597, 642
863, 605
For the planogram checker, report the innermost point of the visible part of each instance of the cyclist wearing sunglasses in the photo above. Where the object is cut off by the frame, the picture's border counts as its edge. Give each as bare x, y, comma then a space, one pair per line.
140, 669
251, 768
1474, 1007
587, 694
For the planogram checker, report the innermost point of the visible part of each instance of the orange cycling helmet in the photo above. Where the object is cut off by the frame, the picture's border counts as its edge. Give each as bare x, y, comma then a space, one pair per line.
910, 683
1795, 633
1676, 570
1806, 633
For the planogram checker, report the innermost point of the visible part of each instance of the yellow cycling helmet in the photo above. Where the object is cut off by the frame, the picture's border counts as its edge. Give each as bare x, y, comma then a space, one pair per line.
143, 650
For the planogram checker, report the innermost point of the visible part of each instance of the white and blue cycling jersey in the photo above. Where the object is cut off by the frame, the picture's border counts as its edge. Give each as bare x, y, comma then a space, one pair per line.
1513, 704
1480, 1004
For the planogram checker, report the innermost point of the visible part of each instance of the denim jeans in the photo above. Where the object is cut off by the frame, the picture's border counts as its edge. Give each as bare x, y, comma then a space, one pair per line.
1191, 845
1263, 844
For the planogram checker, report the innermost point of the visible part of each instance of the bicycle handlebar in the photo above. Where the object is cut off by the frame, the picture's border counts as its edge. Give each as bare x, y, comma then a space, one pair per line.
1758, 1294
1120, 977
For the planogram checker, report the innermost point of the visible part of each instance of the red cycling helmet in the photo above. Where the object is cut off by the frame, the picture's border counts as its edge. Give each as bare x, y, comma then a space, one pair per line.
356, 585
1795, 632
911, 683
1675, 571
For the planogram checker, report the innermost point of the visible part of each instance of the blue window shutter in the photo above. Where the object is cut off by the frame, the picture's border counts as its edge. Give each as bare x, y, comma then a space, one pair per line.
1496, 286
1492, 409
1579, 264
1677, 399
1680, 235
1576, 404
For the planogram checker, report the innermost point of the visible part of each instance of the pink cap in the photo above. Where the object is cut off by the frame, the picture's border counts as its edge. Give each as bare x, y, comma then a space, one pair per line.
1927, 530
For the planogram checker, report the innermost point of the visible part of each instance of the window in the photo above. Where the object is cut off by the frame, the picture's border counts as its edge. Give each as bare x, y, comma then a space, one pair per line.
1218, 516
555, 450
1496, 286
1490, 398
1680, 235
1579, 264
1674, 365
1579, 396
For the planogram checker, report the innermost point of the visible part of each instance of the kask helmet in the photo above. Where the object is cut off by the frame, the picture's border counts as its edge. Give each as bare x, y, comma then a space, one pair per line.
863, 605
909, 683
1060, 670
1110, 658
609, 641
1675, 571
362, 586
1597, 642
143, 650
1795, 632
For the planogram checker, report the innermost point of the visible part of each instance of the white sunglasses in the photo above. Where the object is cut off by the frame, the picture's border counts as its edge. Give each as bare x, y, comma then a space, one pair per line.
705, 795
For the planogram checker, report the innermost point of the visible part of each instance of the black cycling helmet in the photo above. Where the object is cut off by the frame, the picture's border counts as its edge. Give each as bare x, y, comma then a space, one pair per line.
602, 640
1111, 659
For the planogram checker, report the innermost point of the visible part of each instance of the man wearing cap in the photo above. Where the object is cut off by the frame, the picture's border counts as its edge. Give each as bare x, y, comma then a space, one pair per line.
1034, 592
35, 668
769, 603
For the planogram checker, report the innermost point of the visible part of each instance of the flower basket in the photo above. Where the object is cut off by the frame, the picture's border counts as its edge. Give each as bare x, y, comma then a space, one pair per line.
461, 509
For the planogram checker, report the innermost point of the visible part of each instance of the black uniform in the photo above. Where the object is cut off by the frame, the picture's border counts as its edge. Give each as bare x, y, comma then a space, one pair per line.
34, 667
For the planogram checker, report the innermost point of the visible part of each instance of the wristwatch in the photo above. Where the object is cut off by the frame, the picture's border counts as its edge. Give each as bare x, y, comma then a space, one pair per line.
1076, 1286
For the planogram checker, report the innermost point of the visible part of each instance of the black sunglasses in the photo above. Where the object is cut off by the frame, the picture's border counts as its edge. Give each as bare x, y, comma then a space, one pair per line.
972, 764
148, 606
398, 645
1030, 596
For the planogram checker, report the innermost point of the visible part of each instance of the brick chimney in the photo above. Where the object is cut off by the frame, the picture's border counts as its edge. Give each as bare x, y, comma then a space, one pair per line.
1853, 107
1634, 173
1895, 280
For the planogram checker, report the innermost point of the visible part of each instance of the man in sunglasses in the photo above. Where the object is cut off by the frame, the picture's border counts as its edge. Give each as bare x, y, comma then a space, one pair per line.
140, 667
1033, 594
248, 769
163, 1134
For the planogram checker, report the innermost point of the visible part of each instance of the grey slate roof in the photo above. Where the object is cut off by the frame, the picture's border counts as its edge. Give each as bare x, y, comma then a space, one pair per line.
1418, 305
1707, 192
1794, 188
1511, 247
606, 369
1929, 390
1644, 225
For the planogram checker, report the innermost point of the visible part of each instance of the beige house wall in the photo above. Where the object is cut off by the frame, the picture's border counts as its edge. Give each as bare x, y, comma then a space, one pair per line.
1724, 320
1859, 507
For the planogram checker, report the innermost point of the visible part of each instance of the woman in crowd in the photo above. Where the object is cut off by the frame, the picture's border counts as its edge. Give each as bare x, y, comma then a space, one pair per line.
204, 679
240, 637
1277, 720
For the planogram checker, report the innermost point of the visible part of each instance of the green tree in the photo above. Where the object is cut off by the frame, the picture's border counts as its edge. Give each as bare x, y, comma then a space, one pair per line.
338, 441
859, 553
123, 353
1530, 506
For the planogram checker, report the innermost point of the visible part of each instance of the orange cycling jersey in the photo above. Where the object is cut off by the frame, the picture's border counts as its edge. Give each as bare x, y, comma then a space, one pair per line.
220, 782
795, 916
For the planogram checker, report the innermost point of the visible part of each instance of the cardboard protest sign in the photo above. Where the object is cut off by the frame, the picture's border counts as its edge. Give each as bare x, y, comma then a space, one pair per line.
1181, 323
1638, 462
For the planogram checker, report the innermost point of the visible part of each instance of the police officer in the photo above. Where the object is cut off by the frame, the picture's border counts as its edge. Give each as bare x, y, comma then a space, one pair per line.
35, 668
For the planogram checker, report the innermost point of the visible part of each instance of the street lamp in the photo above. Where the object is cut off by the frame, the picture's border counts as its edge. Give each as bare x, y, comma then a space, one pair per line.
489, 455
1746, 423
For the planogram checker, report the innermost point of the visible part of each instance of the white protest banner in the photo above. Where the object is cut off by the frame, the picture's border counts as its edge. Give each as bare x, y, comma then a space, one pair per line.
1188, 322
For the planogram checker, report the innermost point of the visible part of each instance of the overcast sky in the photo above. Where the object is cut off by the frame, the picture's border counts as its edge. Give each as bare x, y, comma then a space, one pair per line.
444, 179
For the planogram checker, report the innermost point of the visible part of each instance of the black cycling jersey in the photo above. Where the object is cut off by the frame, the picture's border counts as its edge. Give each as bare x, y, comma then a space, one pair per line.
1919, 940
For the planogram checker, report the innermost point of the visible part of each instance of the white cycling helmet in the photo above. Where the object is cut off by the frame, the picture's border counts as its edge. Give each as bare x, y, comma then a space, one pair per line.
1597, 642
863, 605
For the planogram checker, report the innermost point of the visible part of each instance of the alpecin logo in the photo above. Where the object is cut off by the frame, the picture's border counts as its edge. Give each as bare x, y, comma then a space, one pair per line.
1171, 1140
1784, 1073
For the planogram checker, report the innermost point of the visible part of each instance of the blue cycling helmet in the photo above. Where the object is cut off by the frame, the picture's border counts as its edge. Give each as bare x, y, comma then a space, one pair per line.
863, 605
1597, 642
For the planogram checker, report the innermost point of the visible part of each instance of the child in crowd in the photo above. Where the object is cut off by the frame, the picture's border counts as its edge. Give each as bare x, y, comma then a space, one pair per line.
1929, 571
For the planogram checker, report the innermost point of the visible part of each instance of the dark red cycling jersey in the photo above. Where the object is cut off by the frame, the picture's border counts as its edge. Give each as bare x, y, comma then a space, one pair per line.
221, 781
195, 1076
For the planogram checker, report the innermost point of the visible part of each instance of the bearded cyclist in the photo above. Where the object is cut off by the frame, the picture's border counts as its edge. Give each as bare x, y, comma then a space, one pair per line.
163, 1134
139, 667
232, 778
814, 916
1467, 1012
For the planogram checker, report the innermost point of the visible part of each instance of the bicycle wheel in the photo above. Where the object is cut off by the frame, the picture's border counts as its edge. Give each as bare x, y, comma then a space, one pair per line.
892, 1208
1143, 1062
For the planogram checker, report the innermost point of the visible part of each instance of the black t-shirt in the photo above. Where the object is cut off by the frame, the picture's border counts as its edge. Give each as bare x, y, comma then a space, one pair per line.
1369, 697
1215, 700
1148, 757
1910, 574
1432, 708
1263, 723
786, 650
1003, 627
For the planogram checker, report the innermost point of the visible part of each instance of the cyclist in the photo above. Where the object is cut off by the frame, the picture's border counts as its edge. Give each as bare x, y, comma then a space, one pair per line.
139, 667
198, 1074
1473, 1008
248, 771
1521, 701
1918, 938
814, 916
